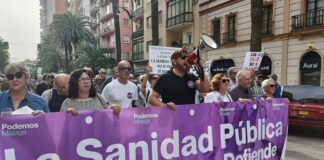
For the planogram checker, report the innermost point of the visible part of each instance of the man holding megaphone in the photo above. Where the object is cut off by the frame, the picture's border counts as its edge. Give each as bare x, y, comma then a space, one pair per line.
177, 86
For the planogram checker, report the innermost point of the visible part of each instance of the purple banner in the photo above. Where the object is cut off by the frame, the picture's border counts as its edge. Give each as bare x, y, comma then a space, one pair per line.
230, 131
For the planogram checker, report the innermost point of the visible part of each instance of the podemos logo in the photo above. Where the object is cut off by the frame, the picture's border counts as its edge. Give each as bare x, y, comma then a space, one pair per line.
17, 129
144, 118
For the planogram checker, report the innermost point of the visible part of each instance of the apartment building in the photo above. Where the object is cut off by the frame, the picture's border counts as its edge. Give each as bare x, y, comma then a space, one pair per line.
178, 27
107, 28
292, 37
48, 9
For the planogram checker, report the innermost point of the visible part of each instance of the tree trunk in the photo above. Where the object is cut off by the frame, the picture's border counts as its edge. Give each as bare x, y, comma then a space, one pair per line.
67, 68
257, 21
117, 28
155, 22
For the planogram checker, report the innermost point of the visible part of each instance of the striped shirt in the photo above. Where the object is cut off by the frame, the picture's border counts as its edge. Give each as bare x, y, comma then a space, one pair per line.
93, 103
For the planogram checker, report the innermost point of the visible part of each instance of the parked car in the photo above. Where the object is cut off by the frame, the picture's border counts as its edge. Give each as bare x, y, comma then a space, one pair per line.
306, 106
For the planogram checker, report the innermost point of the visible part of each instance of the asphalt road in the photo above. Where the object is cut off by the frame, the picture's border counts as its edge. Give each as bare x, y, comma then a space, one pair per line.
305, 144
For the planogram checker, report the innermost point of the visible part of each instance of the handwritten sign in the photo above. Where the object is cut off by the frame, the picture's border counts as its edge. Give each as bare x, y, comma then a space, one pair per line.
160, 58
252, 61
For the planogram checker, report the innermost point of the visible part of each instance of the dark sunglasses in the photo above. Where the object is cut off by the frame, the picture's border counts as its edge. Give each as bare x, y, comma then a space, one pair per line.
225, 80
11, 77
272, 85
125, 69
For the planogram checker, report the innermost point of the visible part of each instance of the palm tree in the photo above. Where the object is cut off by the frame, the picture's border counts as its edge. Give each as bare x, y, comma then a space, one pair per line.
4, 54
50, 57
256, 21
94, 57
70, 31
155, 22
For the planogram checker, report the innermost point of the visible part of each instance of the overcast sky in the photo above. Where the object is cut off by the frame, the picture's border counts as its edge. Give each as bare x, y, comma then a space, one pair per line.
20, 26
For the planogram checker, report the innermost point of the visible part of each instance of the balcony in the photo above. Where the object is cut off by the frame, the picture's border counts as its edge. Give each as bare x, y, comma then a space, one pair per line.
94, 23
94, 11
311, 19
106, 17
229, 37
138, 12
137, 34
107, 31
137, 56
104, 3
179, 21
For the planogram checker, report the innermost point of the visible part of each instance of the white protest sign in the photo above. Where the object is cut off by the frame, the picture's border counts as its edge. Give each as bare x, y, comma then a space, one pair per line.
207, 67
252, 61
160, 58
39, 70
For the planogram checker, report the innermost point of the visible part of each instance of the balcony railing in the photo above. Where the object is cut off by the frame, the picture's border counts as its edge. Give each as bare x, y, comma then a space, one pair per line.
310, 19
107, 31
106, 17
138, 33
138, 55
229, 37
179, 19
267, 29
138, 12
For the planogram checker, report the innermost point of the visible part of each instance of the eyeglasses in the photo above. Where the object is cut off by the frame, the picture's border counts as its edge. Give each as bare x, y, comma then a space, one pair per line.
84, 79
233, 72
125, 69
102, 73
225, 80
11, 77
271, 85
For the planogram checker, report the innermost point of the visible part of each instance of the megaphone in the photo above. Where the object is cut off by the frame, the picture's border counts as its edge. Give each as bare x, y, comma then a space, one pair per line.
206, 43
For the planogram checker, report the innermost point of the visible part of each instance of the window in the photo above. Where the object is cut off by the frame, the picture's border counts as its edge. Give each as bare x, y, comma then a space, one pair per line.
149, 22
108, 9
179, 11
138, 52
229, 36
267, 20
216, 31
112, 40
125, 56
314, 12
126, 39
126, 4
126, 21
189, 38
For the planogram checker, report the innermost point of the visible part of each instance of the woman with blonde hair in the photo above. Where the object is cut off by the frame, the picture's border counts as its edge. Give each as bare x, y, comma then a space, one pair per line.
219, 87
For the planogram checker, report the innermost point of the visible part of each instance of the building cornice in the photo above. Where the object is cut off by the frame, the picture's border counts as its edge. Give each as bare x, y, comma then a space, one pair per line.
217, 7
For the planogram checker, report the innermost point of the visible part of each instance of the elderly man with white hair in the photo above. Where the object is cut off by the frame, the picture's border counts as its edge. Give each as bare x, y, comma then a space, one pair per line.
268, 87
242, 90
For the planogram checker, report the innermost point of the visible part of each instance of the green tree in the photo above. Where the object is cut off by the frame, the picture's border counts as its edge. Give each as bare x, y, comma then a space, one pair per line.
70, 31
94, 57
50, 56
256, 21
4, 54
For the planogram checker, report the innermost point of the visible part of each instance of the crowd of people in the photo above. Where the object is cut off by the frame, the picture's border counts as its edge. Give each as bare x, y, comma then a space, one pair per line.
83, 90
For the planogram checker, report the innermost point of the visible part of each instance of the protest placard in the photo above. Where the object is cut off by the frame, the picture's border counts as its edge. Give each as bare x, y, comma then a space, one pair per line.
252, 61
160, 58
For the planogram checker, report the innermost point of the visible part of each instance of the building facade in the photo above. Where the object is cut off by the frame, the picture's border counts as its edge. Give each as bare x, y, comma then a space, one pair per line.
49, 8
107, 29
176, 27
292, 41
